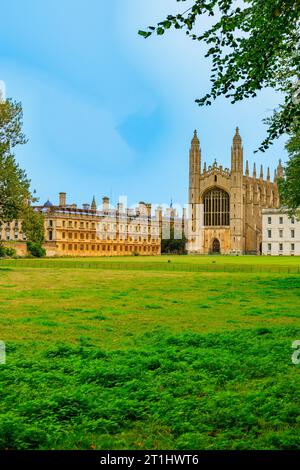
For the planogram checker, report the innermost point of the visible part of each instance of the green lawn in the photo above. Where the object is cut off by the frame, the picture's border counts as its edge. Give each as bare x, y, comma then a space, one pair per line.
190, 259
117, 359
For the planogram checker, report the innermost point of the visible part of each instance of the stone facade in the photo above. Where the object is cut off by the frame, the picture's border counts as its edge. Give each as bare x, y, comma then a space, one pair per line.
281, 233
105, 232
88, 232
226, 204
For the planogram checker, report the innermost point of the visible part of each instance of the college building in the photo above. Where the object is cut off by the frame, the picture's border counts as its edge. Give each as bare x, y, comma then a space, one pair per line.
226, 204
281, 233
90, 231
87, 231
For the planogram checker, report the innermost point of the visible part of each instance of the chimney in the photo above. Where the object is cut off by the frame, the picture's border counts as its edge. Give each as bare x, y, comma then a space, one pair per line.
120, 207
62, 199
158, 212
149, 209
105, 204
142, 208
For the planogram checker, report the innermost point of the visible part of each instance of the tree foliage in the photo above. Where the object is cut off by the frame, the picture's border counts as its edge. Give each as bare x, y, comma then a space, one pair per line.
253, 44
289, 186
33, 225
14, 185
174, 245
14, 189
11, 121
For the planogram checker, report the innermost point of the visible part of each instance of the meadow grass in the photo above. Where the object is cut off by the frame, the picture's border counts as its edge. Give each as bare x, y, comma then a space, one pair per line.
113, 359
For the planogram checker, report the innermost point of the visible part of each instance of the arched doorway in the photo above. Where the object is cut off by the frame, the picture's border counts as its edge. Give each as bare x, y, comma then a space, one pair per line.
216, 248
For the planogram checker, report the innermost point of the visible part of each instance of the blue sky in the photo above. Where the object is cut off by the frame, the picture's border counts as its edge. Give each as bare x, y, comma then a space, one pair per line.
109, 113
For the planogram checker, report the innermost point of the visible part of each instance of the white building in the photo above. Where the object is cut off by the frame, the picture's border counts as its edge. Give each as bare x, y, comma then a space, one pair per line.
280, 233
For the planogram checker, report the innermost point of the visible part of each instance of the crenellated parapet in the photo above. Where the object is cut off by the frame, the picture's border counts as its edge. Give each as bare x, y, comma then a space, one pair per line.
216, 169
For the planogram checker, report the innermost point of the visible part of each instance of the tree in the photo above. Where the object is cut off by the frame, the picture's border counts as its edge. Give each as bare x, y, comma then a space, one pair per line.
289, 186
15, 192
174, 245
253, 44
33, 225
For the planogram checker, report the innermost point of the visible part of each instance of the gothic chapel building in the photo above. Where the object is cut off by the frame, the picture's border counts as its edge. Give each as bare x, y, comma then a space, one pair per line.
226, 205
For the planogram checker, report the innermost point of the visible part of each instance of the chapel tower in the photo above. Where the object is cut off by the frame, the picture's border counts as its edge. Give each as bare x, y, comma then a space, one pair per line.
236, 196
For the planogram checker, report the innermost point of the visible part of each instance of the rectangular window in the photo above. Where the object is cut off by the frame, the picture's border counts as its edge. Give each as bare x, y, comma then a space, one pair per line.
269, 246
50, 235
280, 233
63, 223
280, 246
50, 223
293, 246
292, 220
269, 220
269, 233
281, 220
63, 235
70, 247
292, 233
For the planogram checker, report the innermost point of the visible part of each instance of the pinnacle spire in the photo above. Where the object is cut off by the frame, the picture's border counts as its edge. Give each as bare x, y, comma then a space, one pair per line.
94, 205
195, 155
195, 139
237, 154
268, 174
254, 170
237, 138
247, 168
279, 169
261, 172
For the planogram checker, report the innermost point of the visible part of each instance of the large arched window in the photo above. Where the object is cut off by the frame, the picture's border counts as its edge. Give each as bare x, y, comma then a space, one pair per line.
216, 208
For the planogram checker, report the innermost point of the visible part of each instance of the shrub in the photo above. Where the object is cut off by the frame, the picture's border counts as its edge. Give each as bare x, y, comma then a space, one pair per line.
36, 250
4, 251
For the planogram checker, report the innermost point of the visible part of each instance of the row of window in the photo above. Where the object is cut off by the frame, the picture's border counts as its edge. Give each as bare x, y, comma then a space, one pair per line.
16, 236
71, 224
292, 246
114, 248
9, 226
280, 233
92, 236
92, 225
292, 219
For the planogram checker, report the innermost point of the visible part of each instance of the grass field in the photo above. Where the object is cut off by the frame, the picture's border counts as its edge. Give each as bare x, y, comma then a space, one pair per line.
120, 359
